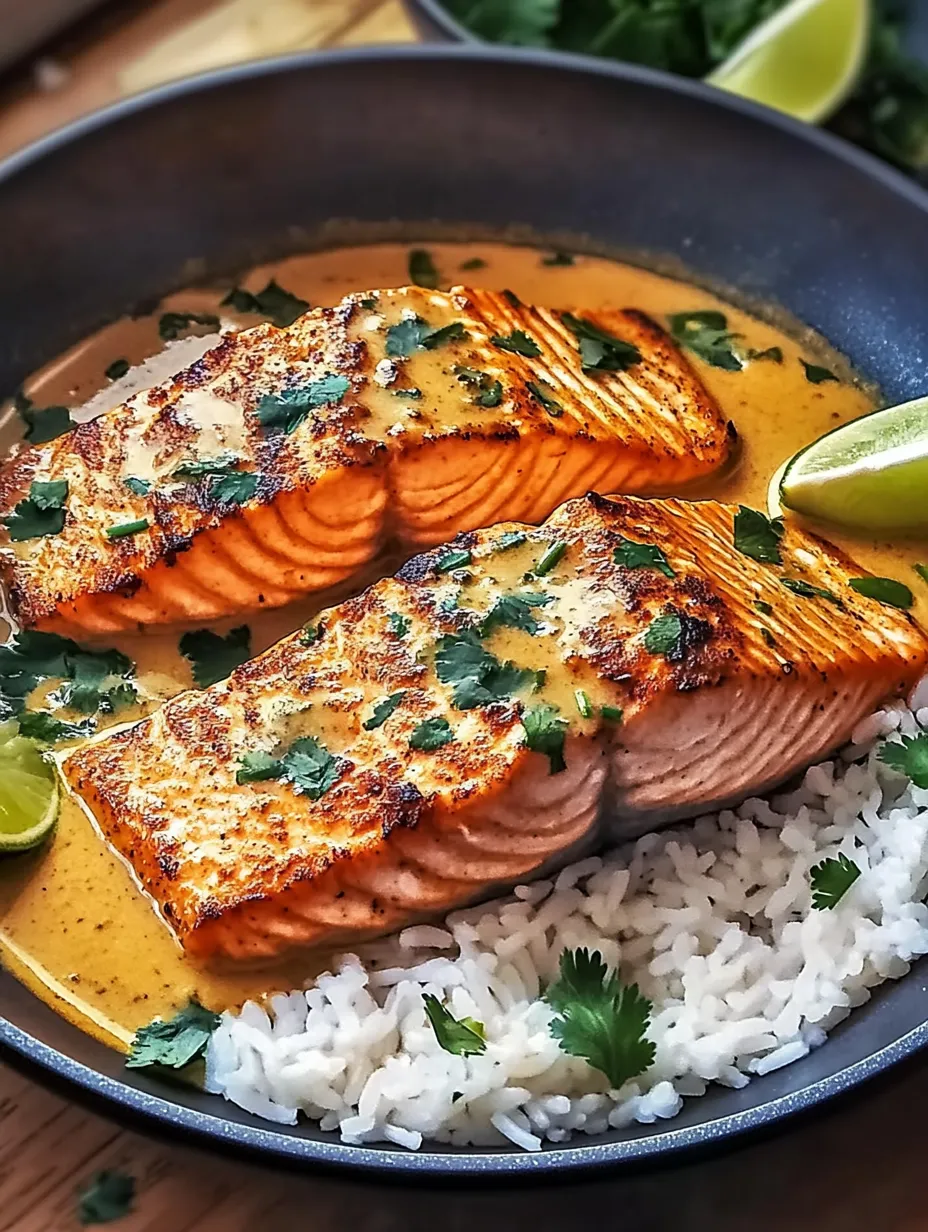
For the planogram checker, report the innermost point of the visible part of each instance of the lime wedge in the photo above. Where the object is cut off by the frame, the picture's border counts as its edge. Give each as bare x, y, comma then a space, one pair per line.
870, 474
28, 792
803, 60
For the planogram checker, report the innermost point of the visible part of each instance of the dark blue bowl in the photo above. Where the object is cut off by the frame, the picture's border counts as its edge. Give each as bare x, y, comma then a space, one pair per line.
211, 175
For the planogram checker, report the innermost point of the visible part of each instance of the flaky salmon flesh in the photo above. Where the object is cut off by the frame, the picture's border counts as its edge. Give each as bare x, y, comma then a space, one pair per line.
284, 460
492, 710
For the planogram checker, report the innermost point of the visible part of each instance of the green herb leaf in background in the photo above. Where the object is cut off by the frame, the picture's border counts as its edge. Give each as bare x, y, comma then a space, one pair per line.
706, 334
817, 375
518, 343
213, 657
45, 423
281, 306
600, 351
884, 590
431, 734
108, 1196
422, 271
172, 324
382, 711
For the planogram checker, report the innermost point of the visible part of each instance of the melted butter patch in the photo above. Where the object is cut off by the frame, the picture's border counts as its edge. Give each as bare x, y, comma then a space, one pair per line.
221, 424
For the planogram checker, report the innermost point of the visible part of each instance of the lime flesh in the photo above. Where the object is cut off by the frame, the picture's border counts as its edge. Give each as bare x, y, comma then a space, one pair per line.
28, 792
803, 60
871, 474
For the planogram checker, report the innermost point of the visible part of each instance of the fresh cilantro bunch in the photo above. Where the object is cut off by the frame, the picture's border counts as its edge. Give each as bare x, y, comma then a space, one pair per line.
887, 113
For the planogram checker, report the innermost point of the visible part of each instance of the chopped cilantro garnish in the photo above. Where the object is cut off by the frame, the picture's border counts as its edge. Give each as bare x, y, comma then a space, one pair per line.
42, 423
800, 587
175, 1042
551, 405
42, 513
274, 302
612, 714
141, 487
884, 590
258, 767
310, 768
89, 676
908, 755
399, 624
632, 555
922, 571
584, 705
415, 334
422, 269
477, 676
123, 529
600, 1018
600, 351
463, 1037
815, 374
116, 370
236, 488
431, 734
515, 612
706, 334
287, 410
213, 657
518, 342
558, 258
47, 729
108, 1196
473, 263
758, 536
310, 634
763, 607
172, 324
767, 636
675, 634
550, 559
774, 354
488, 391
455, 559
831, 880
383, 710
545, 732
510, 539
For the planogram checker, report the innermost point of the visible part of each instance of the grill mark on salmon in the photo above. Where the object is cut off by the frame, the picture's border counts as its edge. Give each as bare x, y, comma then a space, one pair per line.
368, 469
244, 871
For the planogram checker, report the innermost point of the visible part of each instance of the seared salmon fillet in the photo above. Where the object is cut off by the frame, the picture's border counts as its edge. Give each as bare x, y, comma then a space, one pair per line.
487, 712
284, 460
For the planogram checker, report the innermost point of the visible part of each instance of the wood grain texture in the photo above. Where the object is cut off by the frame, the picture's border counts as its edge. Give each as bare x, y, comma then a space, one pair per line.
860, 1168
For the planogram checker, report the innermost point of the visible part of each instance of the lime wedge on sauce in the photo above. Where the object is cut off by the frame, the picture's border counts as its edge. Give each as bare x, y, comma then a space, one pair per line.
870, 474
28, 792
803, 60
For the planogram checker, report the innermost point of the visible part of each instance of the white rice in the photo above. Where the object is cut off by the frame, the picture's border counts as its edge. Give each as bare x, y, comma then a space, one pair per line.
712, 920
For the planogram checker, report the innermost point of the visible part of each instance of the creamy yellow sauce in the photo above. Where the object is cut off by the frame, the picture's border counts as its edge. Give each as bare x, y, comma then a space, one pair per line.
73, 925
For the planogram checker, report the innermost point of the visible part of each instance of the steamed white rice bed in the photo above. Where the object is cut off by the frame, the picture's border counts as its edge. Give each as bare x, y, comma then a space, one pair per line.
712, 920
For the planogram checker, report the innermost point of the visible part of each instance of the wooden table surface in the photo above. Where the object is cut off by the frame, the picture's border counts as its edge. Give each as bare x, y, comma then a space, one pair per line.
860, 1168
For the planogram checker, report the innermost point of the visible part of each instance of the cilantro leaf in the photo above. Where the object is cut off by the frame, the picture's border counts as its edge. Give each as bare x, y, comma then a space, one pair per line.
41, 514
538, 391
116, 370
632, 555
908, 755
922, 571
488, 392
172, 324
675, 634
86, 672
801, 587
415, 334
831, 880
473, 263
884, 590
431, 734
214, 657
399, 624
422, 269
455, 559
140, 487
515, 612
510, 539
310, 768
762, 606
518, 343
758, 536
774, 354
258, 767
545, 732
174, 1042
817, 375
600, 351
464, 1037
30, 657
382, 711
706, 334
202, 468
600, 1018
477, 676
558, 258
47, 729
281, 306
287, 410
236, 488
310, 634
42, 423
108, 1196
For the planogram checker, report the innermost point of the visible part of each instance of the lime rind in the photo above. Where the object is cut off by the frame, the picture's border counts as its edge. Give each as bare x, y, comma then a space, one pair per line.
29, 795
805, 59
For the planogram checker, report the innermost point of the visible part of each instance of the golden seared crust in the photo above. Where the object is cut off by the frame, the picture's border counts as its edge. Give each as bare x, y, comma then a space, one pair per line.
251, 867
371, 463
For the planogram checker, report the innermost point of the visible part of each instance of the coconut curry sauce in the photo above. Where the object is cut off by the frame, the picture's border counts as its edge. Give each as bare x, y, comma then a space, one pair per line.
73, 924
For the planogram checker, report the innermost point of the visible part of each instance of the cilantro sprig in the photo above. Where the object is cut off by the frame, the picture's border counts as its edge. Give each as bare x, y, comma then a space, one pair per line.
600, 1018
600, 351
632, 555
416, 334
545, 733
707, 335
477, 677
41, 513
273, 301
43, 423
908, 755
92, 680
307, 766
831, 880
109, 1195
284, 412
758, 536
173, 1042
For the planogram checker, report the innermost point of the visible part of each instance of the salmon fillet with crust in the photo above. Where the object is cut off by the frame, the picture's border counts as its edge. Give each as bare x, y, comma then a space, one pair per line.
495, 707
284, 459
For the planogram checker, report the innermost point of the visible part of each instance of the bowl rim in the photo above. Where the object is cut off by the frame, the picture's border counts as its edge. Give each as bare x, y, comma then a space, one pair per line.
113, 1096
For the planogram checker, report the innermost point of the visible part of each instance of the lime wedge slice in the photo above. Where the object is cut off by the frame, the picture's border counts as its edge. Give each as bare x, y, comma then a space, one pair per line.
28, 792
803, 60
870, 474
